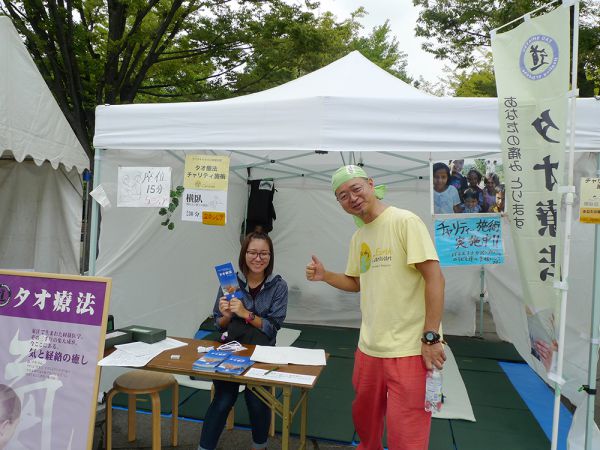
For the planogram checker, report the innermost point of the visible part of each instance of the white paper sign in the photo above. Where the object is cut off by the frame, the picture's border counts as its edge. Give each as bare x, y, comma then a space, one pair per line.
284, 377
143, 187
194, 202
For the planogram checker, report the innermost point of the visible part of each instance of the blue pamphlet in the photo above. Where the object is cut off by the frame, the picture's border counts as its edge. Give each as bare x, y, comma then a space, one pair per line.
210, 361
235, 365
228, 281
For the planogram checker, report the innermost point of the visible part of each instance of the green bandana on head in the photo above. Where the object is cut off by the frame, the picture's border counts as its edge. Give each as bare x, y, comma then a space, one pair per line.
350, 172
346, 173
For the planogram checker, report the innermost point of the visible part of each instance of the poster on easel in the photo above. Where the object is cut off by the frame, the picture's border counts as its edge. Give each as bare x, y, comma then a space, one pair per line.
204, 198
52, 327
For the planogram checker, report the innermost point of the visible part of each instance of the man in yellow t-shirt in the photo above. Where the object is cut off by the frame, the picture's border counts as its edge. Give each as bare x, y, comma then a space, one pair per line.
393, 263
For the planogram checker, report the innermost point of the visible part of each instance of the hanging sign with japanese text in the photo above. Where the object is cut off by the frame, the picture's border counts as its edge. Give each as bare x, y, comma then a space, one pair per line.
197, 203
52, 328
589, 200
205, 181
531, 64
143, 187
469, 241
207, 172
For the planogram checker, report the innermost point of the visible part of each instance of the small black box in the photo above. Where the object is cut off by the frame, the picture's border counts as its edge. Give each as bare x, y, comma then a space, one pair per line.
146, 334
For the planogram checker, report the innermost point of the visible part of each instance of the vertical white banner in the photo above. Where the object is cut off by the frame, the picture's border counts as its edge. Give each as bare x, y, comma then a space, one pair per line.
531, 63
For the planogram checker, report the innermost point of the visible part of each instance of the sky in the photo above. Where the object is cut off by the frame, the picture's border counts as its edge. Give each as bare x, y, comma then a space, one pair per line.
402, 16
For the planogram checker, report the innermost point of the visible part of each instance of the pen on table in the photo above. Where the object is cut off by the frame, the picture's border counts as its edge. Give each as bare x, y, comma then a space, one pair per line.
271, 370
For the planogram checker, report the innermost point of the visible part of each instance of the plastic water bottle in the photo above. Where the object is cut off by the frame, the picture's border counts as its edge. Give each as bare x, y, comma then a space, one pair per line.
433, 390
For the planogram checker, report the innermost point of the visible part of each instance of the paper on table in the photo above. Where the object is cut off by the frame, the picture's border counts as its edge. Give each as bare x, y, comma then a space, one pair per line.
280, 376
142, 348
289, 355
122, 358
138, 354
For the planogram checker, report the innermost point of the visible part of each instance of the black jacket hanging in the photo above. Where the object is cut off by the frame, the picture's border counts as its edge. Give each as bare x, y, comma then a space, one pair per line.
261, 212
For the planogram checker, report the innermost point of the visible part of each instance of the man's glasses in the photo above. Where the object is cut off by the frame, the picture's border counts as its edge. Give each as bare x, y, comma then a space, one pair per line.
343, 197
262, 255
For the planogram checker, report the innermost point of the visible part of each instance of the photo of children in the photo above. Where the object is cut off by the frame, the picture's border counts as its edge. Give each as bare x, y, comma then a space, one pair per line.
445, 196
467, 186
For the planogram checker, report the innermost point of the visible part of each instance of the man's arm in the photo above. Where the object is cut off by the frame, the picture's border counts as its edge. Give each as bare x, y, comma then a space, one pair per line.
315, 271
433, 355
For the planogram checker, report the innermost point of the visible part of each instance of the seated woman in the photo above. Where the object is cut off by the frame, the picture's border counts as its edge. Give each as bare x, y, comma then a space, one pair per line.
253, 319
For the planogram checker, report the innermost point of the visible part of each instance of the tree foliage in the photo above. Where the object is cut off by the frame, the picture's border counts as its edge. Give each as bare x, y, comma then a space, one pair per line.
94, 52
456, 29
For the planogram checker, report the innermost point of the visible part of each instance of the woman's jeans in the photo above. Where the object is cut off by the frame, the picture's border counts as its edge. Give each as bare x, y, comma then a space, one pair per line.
226, 394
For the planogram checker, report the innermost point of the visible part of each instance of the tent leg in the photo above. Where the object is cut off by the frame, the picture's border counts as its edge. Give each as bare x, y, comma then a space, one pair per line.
481, 300
593, 357
95, 213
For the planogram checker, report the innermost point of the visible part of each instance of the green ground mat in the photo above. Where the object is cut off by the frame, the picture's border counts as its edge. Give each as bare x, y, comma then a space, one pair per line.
499, 429
503, 420
477, 364
491, 389
440, 436
480, 348
337, 341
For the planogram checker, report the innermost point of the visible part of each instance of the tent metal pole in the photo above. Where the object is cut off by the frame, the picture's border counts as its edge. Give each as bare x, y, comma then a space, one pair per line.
558, 379
95, 214
593, 357
481, 299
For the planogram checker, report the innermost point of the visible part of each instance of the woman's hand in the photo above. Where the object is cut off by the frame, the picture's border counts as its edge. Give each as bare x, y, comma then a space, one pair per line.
225, 307
545, 350
237, 307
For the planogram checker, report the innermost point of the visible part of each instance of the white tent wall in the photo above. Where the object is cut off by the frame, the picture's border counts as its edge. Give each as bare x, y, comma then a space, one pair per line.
40, 186
41, 219
166, 279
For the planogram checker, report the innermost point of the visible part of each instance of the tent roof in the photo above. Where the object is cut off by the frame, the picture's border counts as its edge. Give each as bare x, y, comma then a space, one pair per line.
352, 76
349, 105
31, 122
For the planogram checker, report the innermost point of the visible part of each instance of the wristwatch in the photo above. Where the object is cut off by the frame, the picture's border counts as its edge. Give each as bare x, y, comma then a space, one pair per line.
431, 337
250, 317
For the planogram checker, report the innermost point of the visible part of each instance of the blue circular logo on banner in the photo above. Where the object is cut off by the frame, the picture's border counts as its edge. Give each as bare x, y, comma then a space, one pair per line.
539, 57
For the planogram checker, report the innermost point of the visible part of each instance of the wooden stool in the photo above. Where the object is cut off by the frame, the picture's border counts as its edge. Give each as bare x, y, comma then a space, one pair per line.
137, 382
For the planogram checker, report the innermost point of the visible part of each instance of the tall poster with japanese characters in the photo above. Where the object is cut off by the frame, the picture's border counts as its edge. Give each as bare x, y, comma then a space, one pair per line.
531, 64
52, 331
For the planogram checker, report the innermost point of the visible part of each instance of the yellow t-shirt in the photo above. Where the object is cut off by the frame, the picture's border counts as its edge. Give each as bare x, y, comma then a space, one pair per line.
392, 291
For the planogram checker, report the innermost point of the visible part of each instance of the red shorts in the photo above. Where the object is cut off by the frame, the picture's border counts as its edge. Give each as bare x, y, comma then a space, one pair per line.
393, 388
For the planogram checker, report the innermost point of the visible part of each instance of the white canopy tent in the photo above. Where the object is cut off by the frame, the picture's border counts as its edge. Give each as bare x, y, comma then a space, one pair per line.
42, 196
356, 112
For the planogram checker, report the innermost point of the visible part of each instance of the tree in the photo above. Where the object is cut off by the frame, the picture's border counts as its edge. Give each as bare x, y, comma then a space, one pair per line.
478, 81
456, 29
94, 52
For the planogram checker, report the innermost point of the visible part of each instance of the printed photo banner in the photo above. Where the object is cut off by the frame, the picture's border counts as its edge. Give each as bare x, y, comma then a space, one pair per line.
469, 241
52, 328
143, 187
531, 64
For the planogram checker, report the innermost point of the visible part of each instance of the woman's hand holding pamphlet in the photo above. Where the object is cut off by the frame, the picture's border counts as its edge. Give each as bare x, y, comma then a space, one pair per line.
228, 281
